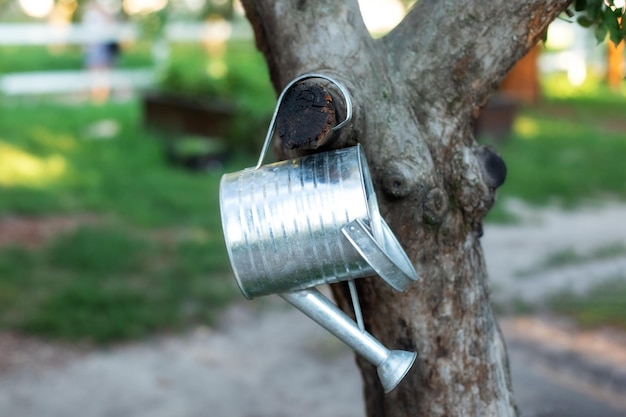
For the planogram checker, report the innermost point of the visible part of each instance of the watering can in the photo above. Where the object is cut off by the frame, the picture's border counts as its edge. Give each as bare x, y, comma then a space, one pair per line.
293, 225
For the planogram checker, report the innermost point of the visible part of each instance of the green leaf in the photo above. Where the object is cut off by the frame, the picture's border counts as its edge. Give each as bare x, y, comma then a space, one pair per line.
616, 35
600, 33
594, 9
611, 20
580, 5
584, 21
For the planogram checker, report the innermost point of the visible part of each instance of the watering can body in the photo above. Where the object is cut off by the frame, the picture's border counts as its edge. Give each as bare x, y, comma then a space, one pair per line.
284, 223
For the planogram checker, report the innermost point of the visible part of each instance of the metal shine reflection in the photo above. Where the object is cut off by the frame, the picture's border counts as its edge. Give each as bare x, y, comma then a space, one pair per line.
287, 235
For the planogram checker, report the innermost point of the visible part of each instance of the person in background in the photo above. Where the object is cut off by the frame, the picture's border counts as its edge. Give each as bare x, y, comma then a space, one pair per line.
100, 54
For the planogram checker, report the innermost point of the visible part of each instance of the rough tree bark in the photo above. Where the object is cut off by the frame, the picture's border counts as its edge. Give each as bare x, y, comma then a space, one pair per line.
416, 93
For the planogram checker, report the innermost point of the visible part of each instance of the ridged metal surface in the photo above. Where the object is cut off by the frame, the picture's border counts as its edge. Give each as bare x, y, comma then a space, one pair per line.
282, 222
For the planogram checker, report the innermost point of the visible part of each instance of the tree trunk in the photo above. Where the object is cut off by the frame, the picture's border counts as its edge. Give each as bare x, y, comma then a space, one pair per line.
416, 92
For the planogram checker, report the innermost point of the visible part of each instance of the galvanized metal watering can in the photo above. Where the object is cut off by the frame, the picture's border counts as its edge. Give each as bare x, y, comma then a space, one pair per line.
293, 225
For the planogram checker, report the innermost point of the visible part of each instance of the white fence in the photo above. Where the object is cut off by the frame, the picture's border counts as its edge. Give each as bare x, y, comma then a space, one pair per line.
63, 82
60, 82
50, 34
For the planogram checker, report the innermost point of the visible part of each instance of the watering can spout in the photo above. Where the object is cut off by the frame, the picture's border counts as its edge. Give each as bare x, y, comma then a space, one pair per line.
394, 368
392, 365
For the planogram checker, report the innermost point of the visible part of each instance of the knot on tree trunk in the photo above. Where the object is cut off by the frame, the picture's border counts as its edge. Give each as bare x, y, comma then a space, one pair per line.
399, 179
478, 171
435, 206
492, 166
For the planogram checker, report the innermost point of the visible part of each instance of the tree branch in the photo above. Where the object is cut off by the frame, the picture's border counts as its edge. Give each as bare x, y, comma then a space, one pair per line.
482, 40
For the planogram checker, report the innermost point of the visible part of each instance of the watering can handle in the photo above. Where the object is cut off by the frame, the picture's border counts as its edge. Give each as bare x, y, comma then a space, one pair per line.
270, 132
387, 258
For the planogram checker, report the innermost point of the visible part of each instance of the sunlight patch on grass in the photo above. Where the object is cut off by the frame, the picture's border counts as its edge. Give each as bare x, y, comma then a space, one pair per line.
18, 167
526, 127
558, 86
49, 140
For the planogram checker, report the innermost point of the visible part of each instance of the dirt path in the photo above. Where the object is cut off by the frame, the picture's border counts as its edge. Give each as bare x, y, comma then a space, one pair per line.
514, 253
275, 362
266, 359
258, 362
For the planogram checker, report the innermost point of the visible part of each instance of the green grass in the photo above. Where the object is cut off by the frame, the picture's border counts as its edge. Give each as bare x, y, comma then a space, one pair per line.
547, 152
566, 150
26, 58
52, 162
570, 257
603, 305
153, 259
105, 283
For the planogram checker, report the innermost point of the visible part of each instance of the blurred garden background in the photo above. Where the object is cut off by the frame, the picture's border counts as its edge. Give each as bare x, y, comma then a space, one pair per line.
109, 219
